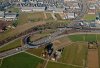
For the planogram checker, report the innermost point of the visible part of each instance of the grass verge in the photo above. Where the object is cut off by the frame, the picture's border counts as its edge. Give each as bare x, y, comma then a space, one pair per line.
74, 54
89, 17
14, 44
84, 37
36, 51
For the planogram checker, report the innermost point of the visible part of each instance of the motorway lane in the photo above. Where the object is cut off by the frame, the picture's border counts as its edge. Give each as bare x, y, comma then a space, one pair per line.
12, 52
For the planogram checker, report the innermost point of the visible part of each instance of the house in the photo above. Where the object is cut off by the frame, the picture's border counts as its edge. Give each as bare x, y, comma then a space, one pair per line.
27, 9
10, 16
91, 11
30, 9
1, 15
76, 5
71, 15
40, 1
50, 9
92, 8
92, 1
69, 0
58, 10
98, 4
39, 9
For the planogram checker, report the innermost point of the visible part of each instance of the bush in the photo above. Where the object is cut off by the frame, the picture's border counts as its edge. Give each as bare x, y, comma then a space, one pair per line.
15, 23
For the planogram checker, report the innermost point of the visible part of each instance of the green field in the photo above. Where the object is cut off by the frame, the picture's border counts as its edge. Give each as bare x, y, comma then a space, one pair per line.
37, 16
89, 17
58, 65
76, 37
84, 37
16, 43
22, 60
36, 51
32, 17
74, 54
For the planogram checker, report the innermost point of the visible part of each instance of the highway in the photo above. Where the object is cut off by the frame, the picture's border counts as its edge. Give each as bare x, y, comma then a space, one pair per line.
12, 52
42, 41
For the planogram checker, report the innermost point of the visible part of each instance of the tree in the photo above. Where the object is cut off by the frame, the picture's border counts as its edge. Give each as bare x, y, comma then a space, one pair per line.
15, 23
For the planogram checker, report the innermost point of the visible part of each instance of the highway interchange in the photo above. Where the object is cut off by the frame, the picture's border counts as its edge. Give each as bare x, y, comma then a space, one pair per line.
59, 32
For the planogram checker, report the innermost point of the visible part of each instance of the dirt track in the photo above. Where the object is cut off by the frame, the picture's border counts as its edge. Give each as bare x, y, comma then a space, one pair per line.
93, 58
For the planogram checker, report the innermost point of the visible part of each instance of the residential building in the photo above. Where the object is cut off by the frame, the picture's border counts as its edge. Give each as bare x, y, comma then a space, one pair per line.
58, 10
71, 15
92, 8
1, 15
26, 9
39, 9
10, 16
69, 0
30, 9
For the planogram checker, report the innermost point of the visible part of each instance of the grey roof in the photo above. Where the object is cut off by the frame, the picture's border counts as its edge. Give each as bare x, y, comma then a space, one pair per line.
38, 7
71, 15
50, 8
92, 6
32, 8
26, 8
10, 15
59, 9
